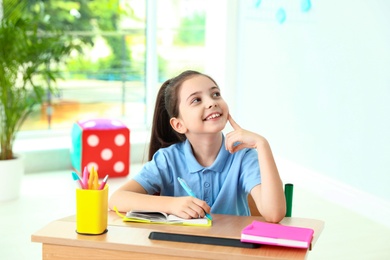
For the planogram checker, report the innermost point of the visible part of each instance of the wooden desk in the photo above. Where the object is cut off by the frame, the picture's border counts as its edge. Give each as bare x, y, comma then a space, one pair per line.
125, 240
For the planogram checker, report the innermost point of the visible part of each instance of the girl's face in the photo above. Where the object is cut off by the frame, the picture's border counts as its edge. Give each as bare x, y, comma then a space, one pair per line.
201, 107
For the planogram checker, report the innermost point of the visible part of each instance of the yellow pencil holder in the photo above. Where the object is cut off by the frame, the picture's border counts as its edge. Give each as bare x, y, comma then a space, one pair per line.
91, 211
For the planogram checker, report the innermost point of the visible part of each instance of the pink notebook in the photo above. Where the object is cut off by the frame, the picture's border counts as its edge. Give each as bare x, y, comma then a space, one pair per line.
277, 234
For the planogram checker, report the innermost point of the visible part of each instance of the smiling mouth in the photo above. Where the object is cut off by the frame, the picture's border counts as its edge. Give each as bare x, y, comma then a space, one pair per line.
216, 115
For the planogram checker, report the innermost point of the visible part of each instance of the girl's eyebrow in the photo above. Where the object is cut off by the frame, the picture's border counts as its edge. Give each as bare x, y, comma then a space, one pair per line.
198, 92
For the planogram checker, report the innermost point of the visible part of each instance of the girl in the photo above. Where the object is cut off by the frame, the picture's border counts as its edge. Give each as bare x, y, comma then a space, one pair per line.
187, 142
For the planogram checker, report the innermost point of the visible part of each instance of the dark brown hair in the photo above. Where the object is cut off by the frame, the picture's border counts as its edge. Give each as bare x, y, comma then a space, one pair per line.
167, 106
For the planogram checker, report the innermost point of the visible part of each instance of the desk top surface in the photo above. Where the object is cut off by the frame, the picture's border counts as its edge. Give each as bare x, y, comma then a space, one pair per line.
133, 237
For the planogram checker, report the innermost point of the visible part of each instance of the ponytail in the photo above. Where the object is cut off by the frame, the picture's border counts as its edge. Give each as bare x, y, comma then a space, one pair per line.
162, 134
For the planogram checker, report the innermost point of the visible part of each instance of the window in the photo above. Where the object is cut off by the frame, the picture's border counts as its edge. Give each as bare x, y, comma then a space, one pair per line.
108, 79
180, 36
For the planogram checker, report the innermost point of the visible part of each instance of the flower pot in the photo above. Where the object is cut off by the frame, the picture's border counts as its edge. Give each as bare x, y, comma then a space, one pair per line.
11, 173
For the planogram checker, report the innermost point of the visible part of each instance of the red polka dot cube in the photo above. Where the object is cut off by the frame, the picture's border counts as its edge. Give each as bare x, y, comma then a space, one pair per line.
103, 144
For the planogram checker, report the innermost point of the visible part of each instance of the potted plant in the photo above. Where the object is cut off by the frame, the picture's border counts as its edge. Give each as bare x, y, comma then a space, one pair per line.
30, 60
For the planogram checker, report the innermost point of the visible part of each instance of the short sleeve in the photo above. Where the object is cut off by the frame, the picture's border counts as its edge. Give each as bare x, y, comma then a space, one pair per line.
250, 171
151, 175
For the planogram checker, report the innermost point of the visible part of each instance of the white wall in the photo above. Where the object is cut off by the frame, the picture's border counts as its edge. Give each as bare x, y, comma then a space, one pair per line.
318, 86
221, 46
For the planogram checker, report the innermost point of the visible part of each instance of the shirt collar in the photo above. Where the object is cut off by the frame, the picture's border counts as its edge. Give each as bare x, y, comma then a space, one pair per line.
193, 164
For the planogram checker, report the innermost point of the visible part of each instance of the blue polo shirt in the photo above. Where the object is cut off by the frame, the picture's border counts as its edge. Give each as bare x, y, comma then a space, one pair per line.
224, 185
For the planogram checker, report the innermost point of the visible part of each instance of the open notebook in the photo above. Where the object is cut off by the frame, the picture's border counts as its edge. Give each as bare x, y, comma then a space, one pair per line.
156, 217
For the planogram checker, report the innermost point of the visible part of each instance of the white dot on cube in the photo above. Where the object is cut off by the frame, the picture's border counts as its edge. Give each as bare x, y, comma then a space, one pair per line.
116, 123
106, 154
120, 139
119, 167
93, 140
90, 124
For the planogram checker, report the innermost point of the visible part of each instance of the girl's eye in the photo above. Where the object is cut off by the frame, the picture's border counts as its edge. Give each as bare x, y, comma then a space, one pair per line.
216, 94
195, 100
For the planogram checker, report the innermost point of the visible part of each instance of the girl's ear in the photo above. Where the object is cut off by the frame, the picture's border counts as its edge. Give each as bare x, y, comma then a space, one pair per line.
178, 125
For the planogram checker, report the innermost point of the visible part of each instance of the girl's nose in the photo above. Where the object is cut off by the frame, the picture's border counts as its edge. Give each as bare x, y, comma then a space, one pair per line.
210, 102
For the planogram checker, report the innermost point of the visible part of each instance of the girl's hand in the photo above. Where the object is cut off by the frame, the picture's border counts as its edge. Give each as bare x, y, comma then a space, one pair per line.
240, 138
189, 207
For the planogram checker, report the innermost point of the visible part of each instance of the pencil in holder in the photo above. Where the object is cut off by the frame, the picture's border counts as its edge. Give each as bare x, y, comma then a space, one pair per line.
91, 211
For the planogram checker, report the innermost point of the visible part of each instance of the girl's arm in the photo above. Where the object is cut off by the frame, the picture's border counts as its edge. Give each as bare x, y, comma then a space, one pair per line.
269, 195
133, 196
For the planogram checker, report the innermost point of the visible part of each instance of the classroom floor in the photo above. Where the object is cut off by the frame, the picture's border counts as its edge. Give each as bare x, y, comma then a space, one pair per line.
49, 196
